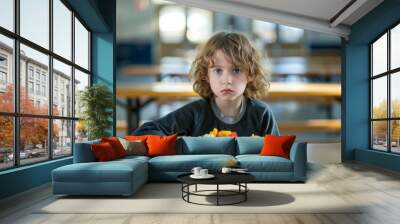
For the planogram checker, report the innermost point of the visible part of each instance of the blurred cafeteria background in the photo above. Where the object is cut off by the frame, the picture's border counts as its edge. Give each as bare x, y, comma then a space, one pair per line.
157, 40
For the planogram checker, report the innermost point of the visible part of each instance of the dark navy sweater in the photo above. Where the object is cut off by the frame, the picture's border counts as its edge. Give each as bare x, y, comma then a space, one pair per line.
197, 118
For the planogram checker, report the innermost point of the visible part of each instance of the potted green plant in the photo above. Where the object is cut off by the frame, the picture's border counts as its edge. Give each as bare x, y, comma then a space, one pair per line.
96, 103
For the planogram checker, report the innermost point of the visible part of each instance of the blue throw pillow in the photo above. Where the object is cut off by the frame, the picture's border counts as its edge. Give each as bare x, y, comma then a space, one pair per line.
83, 152
249, 145
206, 145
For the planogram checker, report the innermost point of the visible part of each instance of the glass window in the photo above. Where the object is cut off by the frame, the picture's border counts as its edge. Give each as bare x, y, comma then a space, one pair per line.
33, 140
34, 79
379, 56
6, 142
30, 87
43, 90
395, 47
30, 71
7, 14
395, 95
62, 29
379, 135
199, 27
6, 72
63, 72
62, 138
81, 131
81, 81
384, 138
34, 21
172, 23
379, 100
3, 61
40, 62
395, 136
81, 45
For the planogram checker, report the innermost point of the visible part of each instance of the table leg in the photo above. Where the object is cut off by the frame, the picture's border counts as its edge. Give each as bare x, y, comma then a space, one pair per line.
217, 194
196, 187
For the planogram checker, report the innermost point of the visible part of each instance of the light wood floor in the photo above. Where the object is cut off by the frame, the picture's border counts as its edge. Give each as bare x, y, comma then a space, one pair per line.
379, 189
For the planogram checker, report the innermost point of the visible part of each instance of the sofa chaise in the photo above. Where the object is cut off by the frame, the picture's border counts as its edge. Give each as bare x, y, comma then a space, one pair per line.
125, 176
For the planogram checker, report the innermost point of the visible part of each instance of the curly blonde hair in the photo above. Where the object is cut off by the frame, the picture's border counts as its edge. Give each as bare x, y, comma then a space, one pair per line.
243, 55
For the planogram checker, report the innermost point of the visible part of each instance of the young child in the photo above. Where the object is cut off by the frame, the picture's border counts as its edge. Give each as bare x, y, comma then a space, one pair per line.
228, 75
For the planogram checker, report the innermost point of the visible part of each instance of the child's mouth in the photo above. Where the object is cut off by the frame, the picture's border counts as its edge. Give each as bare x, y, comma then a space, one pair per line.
226, 91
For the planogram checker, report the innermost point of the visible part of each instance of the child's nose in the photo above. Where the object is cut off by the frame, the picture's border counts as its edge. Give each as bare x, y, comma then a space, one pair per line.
227, 78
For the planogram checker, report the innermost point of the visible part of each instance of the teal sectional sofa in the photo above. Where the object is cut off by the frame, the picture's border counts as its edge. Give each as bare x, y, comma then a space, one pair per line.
125, 176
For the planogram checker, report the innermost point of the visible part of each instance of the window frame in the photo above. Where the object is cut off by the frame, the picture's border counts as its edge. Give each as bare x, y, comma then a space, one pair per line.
388, 74
16, 115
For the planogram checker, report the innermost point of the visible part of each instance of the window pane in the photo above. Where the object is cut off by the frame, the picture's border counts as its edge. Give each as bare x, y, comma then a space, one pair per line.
199, 25
379, 135
81, 131
33, 139
379, 98
62, 89
6, 74
395, 47
379, 55
81, 81
172, 23
7, 14
395, 94
62, 141
6, 142
62, 29
81, 45
33, 100
35, 21
395, 136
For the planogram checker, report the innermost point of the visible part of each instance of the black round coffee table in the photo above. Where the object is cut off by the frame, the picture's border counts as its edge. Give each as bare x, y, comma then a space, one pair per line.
238, 179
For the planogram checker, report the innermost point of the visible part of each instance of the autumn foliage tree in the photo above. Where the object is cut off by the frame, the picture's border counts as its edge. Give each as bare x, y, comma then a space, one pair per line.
33, 131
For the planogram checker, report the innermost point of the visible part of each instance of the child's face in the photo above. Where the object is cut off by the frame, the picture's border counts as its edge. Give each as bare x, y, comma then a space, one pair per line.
227, 81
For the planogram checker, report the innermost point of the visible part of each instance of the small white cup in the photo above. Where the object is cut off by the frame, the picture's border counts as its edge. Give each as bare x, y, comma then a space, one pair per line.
196, 170
226, 170
203, 172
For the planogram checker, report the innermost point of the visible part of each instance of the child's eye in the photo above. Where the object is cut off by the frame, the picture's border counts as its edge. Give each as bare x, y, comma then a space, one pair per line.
218, 70
236, 70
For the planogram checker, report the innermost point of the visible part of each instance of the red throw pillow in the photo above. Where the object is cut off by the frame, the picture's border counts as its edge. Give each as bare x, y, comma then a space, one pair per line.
277, 145
116, 145
161, 145
103, 151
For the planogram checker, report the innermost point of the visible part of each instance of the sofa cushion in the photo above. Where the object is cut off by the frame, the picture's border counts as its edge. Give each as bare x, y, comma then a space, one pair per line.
206, 145
111, 171
257, 163
185, 163
249, 145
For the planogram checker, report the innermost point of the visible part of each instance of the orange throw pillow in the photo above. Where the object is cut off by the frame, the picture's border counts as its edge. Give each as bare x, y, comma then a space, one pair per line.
103, 151
277, 145
161, 145
116, 145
